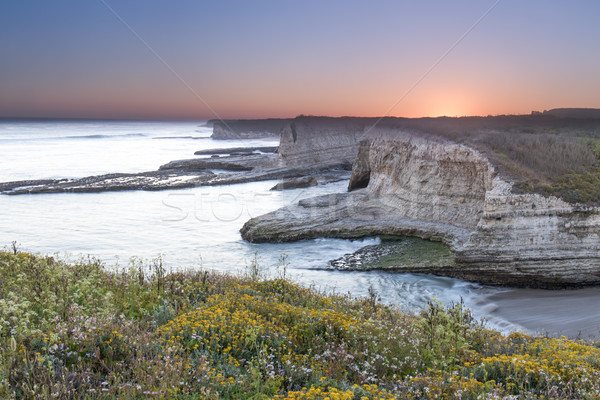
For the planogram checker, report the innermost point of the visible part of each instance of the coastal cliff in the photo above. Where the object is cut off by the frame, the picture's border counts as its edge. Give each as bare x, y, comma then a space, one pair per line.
427, 179
313, 151
531, 238
248, 128
409, 183
416, 186
324, 141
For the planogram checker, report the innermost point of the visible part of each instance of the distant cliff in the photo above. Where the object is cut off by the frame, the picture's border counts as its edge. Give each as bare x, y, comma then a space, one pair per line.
321, 141
579, 113
248, 128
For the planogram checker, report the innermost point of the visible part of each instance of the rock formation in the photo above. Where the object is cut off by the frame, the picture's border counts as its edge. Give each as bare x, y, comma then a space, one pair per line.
408, 183
296, 183
248, 128
329, 142
541, 241
237, 151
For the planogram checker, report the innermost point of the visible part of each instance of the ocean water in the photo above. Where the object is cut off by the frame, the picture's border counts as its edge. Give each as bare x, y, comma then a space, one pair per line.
199, 227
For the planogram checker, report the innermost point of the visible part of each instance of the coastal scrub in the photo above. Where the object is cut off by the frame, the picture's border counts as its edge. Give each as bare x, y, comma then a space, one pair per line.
78, 330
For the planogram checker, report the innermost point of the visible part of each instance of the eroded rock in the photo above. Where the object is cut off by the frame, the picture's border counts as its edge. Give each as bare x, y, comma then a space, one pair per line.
433, 189
297, 183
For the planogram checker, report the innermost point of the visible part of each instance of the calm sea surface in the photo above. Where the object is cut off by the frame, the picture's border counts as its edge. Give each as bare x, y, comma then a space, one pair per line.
199, 227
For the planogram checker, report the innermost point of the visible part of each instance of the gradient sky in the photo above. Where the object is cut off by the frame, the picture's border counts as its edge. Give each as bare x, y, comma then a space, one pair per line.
75, 58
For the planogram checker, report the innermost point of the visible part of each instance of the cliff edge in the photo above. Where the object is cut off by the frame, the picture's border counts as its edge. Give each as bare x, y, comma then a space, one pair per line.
247, 128
409, 183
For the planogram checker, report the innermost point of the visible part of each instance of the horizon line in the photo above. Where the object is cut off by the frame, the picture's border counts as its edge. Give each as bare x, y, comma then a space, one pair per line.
192, 119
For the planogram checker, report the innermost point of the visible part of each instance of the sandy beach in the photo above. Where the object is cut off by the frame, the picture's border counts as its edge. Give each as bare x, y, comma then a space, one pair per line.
573, 313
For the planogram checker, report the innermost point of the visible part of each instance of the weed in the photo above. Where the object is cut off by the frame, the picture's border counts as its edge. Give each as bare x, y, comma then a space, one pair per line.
80, 331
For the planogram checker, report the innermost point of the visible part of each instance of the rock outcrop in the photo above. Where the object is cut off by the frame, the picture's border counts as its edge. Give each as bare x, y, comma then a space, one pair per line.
237, 151
407, 183
544, 241
152, 180
228, 163
329, 142
296, 183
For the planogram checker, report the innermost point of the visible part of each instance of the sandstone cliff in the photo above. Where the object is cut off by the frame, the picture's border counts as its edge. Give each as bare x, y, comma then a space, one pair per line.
407, 183
329, 142
533, 240
248, 128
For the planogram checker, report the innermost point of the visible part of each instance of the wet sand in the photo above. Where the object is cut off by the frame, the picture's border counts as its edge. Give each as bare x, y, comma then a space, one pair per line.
572, 313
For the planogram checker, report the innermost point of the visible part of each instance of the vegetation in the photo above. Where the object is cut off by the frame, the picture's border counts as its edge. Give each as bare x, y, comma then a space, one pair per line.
566, 167
397, 252
77, 330
555, 153
415, 252
541, 153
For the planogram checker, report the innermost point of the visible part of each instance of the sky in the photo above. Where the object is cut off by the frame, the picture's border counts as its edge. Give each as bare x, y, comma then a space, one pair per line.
190, 59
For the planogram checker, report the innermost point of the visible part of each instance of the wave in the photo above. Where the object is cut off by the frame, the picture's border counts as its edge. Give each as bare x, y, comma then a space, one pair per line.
100, 136
71, 137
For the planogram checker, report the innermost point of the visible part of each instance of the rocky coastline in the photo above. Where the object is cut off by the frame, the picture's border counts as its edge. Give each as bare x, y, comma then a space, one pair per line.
405, 179
181, 174
226, 165
409, 183
248, 128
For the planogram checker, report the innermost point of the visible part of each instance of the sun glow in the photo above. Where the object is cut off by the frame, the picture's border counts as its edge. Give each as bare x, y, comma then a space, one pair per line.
450, 105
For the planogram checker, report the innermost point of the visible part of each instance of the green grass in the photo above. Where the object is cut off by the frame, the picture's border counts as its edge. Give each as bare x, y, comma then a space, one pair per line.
573, 187
415, 252
77, 330
397, 253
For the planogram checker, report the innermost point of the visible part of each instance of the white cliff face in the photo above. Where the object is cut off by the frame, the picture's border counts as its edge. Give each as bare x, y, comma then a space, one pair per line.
429, 180
248, 129
515, 237
545, 240
444, 191
320, 141
536, 226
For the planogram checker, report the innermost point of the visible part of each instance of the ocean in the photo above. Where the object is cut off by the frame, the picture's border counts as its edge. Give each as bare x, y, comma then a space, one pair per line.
199, 227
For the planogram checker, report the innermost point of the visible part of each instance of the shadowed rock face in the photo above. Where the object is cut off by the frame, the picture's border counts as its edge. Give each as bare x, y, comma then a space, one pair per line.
321, 140
361, 168
248, 129
422, 186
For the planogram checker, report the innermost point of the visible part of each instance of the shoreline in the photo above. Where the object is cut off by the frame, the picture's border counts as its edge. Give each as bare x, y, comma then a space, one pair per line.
511, 305
180, 335
402, 182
